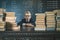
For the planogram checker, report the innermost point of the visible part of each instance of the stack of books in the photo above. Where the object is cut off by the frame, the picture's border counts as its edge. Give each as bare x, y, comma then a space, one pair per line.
2, 23
1, 16
2, 26
58, 24
58, 19
2, 10
40, 22
50, 21
11, 20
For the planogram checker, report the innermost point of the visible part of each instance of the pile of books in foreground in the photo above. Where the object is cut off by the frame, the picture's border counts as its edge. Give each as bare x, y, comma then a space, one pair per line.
2, 23
40, 22
10, 20
57, 19
50, 21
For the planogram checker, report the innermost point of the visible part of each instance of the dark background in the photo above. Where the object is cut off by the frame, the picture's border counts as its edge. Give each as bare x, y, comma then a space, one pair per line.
34, 6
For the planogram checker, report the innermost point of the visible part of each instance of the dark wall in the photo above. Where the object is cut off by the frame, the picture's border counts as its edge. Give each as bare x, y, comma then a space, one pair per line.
34, 6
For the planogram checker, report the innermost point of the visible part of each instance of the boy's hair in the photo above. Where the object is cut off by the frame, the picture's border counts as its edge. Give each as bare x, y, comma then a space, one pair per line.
27, 13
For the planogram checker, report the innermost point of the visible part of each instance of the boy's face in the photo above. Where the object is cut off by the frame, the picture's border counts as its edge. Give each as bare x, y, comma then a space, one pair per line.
27, 16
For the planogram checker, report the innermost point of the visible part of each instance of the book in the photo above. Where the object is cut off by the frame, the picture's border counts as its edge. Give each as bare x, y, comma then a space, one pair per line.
1, 15
58, 29
11, 25
51, 29
57, 12
2, 24
10, 14
2, 10
39, 29
10, 19
50, 13
1, 19
58, 26
2, 29
50, 25
15, 28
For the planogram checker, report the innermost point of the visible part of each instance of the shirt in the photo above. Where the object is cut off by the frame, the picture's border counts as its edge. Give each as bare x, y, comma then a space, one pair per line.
24, 21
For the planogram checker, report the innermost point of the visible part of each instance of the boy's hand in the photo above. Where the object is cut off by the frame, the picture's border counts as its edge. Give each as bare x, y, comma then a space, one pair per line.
29, 25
